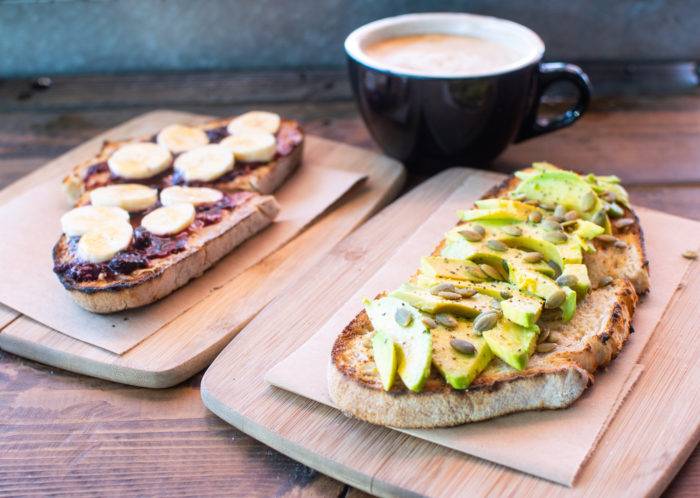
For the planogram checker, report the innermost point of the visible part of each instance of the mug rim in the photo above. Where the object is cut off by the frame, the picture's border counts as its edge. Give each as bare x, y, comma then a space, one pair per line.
354, 40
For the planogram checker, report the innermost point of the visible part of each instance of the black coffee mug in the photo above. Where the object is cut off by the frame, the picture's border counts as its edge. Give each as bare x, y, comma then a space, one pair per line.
434, 121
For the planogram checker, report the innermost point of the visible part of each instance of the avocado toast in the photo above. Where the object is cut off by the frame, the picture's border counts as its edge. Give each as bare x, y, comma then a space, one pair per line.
515, 310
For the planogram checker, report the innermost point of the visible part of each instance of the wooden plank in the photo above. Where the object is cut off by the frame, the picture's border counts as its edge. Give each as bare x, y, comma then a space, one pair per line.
647, 442
64, 434
191, 341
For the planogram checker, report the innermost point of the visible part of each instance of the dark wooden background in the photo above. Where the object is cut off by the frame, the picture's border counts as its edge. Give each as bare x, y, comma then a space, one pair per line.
67, 434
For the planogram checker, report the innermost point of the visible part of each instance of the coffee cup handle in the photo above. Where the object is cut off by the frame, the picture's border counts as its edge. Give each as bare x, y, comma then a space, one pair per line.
549, 73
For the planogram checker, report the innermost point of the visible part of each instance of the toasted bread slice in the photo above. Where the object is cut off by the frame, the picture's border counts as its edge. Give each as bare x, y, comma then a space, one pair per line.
203, 247
594, 337
590, 340
263, 178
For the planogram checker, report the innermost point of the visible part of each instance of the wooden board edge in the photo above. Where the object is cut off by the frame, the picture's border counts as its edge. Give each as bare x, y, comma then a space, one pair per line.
284, 446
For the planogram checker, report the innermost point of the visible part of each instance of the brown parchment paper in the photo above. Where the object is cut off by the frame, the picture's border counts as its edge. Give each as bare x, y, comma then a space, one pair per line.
31, 227
548, 444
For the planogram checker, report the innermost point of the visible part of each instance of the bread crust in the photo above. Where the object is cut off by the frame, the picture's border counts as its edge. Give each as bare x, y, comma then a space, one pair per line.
592, 339
204, 248
264, 179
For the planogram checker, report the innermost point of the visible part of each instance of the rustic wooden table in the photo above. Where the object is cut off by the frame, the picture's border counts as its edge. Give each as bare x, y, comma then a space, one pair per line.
66, 434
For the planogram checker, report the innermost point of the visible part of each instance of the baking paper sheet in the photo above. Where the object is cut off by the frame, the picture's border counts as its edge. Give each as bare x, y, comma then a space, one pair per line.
31, 227
549, 444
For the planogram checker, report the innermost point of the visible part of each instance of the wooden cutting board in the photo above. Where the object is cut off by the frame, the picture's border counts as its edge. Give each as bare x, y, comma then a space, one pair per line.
191, 341
648, 440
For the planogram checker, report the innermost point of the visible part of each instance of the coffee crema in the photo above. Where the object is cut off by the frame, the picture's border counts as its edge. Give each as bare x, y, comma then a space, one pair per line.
442, 54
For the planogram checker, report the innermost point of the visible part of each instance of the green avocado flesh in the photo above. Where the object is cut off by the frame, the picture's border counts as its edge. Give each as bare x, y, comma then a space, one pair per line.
459, 369
488, 264
384, 352
413, 342
512, 343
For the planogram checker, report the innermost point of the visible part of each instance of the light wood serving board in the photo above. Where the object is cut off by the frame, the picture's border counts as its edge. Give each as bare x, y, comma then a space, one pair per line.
648, 440
191, 341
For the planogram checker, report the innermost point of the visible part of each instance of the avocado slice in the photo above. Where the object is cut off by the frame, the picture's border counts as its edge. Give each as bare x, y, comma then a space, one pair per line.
425, 301
512, 343
413, 342
459, 369
497, 209
583, 282
385, 357
440, 267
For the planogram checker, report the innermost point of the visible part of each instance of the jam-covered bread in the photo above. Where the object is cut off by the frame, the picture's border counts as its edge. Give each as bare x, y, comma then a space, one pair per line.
127, 245
255, 151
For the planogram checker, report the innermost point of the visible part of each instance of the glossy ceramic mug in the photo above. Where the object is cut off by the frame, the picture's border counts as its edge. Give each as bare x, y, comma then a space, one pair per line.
434, 121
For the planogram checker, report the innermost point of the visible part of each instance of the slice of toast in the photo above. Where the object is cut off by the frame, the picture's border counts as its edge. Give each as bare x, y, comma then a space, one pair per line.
595, 335
195, 251
263, 178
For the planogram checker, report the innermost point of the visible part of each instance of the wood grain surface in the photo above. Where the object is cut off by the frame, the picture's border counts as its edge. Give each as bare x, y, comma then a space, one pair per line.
68, 434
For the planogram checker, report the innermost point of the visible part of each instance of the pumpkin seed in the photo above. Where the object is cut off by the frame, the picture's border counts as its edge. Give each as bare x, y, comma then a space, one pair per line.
605, 281
452, 296
559, 211
555, 237
446, 320
429, 322
532, 257
555, 299
462, 346
588, 201
444, 286
496, 304
477, 272
609, 196
465, 292
485, 321
620, 244
571, 215
555, 267
690, 255
506, 295
471, 235
497, 245
513, 230
623, 222
403, 317
478, 228
490, 271
546, 347
546, 206
543, 336
599, 218
534, 217
606, 239
614, 210
566, 280
550, 225
503, 270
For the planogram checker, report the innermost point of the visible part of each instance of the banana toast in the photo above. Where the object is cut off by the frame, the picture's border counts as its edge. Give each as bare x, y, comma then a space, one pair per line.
442, 370
110, 264
266, 151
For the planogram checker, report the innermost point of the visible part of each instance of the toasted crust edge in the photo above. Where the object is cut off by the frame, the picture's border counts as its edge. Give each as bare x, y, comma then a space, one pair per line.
174, 276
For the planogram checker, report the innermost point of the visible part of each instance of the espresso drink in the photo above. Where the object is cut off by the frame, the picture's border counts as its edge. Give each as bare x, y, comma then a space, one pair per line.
442, 54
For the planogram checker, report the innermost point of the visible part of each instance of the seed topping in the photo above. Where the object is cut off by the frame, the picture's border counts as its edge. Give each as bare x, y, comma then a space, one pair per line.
462, 346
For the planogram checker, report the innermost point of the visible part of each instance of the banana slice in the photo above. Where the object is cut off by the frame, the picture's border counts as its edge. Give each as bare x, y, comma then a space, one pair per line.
179, 138
81, 220
252, 145
129, 196
139, 160
197, 196
104, 242
205, 164
169, 220
255, 120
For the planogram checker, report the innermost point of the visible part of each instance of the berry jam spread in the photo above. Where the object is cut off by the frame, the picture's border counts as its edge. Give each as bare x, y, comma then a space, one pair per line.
288, 137
146, 246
